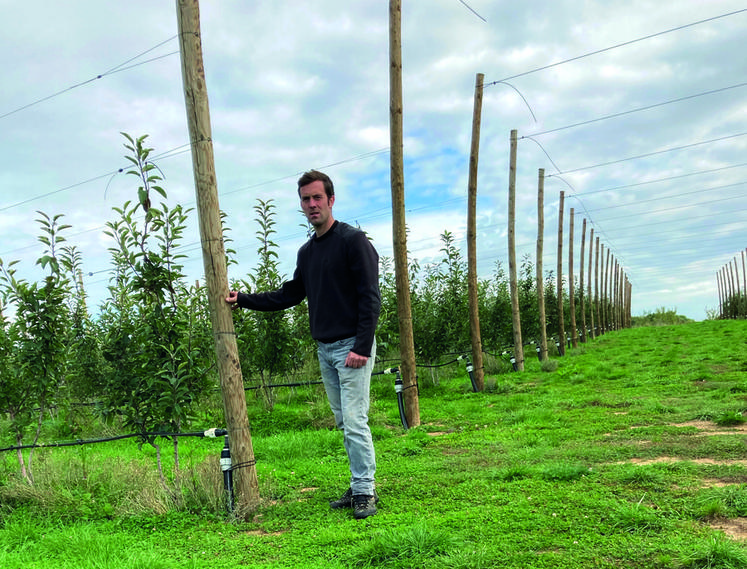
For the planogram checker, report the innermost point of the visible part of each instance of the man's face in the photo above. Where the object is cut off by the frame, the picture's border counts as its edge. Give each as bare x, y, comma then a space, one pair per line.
317, 206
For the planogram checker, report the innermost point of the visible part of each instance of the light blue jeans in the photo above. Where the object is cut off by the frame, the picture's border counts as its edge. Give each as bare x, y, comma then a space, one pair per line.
348, 391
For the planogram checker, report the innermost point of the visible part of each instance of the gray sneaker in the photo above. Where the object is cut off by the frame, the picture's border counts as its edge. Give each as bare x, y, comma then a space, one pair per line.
345, 501
364, 505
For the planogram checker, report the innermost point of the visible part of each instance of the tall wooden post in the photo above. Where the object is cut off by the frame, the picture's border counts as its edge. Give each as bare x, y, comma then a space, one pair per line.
584, 329
571, 283
607, 295
630, 304
214, 257
599, 331
561, 317
602, 319
744, 274
613, 293
618, 295
512, 269
732, 289
590, 287
736, 275
399, 232
474, 305
538, 264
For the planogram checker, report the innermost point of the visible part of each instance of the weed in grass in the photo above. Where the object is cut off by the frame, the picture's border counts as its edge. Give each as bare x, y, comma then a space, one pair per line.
563, 471
718, 552
730, 418
513, 472
549, 366
406, 547
20, 530
721, 502
637, 518
503, 388
710, 509
568, 371
642, 476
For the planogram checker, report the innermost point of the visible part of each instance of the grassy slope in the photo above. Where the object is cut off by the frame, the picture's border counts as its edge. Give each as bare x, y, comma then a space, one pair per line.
546, 469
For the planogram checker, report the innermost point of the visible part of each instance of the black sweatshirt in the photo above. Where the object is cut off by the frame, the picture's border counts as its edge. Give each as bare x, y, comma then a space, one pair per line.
339, 274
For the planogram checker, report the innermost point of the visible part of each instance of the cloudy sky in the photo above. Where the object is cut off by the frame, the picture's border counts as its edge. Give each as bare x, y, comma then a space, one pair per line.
637, 110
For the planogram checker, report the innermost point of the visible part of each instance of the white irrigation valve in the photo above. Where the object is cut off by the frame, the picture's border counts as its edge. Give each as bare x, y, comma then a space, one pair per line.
214, 432
225, 456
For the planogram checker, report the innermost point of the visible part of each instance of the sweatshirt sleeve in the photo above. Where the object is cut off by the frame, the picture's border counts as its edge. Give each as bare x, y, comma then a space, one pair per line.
364, 263
291, 293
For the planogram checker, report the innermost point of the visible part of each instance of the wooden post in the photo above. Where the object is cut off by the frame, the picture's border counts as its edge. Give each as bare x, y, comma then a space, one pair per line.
596, 290
629, 302
590, 294
618, 295
559, 276
744, 274
214, 257
474, 306
602, 294
540, 252
512, 269
606, 303
732, 290
614, 294
571, 283
581, 282
399, 229
719, 291
736, 276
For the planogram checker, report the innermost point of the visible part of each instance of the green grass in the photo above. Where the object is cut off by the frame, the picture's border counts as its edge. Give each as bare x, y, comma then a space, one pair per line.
599, 460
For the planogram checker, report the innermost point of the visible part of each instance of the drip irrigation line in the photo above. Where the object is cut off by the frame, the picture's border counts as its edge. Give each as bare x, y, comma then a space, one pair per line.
209, 433
246, 464
273, 385
436, 365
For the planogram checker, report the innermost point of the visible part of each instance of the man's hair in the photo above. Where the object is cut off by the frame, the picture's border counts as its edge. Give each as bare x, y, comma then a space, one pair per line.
313, 176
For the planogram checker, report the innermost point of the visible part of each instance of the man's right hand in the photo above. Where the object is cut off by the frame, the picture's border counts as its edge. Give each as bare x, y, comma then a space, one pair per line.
233, 299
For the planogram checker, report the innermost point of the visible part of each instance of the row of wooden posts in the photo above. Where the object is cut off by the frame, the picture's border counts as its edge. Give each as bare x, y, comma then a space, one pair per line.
609, 299
729, 288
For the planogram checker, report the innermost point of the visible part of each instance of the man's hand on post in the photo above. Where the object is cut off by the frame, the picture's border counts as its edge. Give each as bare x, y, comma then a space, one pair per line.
233, 299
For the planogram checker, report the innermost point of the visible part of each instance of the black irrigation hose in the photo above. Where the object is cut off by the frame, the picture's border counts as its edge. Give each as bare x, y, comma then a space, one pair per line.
438, 365
304, 384
398, 387
209, 433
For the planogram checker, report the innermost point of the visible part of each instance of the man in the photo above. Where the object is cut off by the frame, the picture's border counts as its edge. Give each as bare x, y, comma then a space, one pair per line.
337, 270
